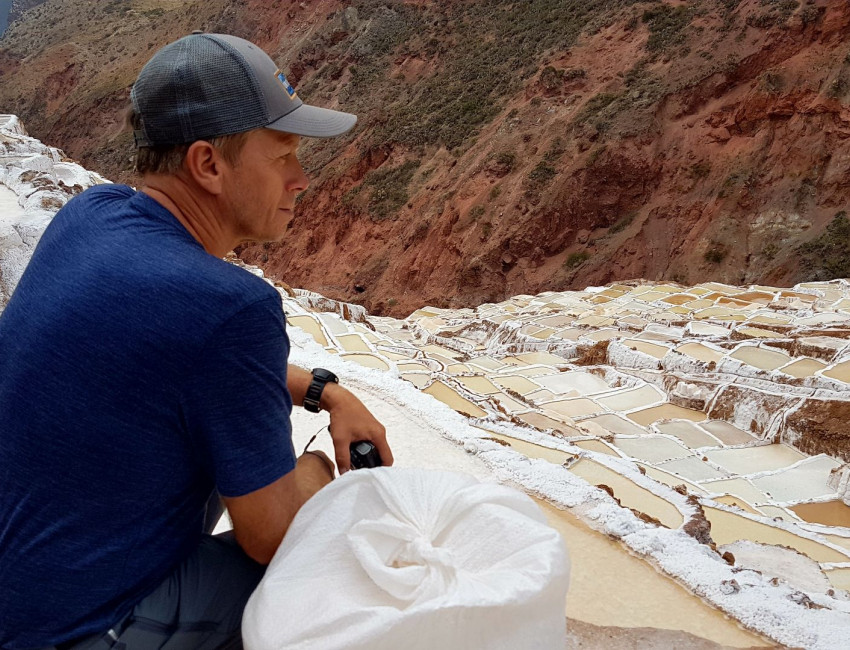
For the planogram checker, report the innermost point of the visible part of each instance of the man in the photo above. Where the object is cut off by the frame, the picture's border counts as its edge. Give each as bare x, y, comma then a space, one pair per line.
141, 375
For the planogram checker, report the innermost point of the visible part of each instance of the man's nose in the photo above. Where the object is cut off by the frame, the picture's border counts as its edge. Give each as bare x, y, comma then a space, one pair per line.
299, 181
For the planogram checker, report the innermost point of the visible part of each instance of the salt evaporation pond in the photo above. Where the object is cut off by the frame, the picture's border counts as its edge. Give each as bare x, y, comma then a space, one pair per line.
636, 422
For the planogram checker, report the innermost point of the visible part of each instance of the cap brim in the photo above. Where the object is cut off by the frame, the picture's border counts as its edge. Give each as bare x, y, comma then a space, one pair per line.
314, 122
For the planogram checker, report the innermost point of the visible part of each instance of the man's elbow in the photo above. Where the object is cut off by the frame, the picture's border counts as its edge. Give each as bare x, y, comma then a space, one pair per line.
261, 550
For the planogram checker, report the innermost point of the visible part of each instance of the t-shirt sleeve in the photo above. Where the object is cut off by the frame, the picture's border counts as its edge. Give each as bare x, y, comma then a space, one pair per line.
236, 404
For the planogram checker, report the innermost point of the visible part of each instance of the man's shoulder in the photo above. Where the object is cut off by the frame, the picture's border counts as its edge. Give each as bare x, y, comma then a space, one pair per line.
220, 280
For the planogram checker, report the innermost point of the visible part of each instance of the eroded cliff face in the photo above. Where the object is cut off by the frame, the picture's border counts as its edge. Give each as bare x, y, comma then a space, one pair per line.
506, 147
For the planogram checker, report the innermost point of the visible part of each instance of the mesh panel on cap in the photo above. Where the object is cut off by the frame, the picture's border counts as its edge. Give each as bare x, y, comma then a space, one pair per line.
197, 88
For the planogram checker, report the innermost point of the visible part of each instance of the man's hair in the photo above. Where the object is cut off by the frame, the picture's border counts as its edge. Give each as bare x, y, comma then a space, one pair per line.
168, 159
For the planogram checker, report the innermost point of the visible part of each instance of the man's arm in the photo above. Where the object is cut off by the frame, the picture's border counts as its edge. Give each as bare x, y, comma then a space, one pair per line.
351, 421
261, 518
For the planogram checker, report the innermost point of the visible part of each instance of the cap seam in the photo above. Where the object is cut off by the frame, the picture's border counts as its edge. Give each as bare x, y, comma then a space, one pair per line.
247, 69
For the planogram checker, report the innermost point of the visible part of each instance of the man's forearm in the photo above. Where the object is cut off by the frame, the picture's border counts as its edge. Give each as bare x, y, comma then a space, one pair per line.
261, 518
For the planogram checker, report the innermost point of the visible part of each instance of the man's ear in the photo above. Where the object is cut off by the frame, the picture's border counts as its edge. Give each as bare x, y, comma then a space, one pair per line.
204, 164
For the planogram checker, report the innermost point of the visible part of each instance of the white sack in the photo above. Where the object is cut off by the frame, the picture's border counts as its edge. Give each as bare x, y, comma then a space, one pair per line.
400, 558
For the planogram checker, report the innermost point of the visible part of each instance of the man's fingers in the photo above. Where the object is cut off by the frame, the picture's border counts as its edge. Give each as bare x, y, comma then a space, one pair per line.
383, 448
343, 456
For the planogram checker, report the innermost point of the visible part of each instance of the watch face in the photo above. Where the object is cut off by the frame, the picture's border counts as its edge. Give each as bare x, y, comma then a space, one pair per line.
324, 375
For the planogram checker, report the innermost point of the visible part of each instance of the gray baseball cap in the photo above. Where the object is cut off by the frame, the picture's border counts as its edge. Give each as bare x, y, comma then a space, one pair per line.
207, 85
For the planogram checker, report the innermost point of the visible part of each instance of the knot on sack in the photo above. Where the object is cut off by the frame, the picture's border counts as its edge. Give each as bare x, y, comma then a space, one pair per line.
402, 560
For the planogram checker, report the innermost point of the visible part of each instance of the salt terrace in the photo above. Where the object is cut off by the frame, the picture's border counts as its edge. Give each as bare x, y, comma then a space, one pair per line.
711, 413
689, 443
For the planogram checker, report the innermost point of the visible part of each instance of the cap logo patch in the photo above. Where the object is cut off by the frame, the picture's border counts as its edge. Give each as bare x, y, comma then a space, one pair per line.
286, 85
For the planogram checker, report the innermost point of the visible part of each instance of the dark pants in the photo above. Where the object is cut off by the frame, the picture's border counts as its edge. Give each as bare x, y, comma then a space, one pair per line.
198, 607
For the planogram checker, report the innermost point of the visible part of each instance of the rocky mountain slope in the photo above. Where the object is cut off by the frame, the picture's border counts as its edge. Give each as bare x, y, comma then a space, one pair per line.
506, 147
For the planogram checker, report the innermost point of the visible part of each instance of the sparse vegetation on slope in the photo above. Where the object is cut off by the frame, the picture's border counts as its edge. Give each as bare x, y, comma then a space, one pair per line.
630, 131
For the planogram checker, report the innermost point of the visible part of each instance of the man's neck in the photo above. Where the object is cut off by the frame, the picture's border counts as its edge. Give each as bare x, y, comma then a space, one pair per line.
198, 218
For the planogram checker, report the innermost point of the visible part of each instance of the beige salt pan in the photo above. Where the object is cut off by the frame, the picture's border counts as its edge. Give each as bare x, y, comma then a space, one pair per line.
700, 352
583, 382
353, 343
653, 350
439, 350
687, 432
452, 398
393, 356
366, 360
838, 578
727, 527
633, 398
530, 371
309, 325
807, 480
418, 379
478, 384
727, 433
692, 468
738, 503
616, 424
829, 513
530, 450
531, 358
516, 383
572, 408
750, 460
540, 421
508, 403
666, 412
707, 329
604, 335
775, 512
487, 363
407, 366
458, 369
651, 449
761, 357
610, 586
739, 487
840, 371
597, 446
671, 479
629, 493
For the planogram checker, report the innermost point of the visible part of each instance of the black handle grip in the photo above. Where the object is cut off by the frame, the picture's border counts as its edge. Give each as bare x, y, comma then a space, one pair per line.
364, 454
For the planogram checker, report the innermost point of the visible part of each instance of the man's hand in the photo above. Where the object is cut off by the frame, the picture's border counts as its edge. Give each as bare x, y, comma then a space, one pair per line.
351, 422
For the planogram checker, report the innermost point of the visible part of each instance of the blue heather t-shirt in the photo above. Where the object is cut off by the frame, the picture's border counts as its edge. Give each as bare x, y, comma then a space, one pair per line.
138, 373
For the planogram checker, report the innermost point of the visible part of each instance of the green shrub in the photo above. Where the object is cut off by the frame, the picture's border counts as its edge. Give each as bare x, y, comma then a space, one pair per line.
827, 256
551, 79
389, 188
623, 223
700, 169
666, 26
576, 259
506, 160
770, 250
716, 253
542, 173
771, 81
476, 212
594, 106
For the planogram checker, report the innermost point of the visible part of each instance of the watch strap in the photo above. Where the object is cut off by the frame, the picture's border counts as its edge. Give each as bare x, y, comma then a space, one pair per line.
314, 392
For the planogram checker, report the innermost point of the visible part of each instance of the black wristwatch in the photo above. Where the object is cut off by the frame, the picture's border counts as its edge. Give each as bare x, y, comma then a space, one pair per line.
314, 392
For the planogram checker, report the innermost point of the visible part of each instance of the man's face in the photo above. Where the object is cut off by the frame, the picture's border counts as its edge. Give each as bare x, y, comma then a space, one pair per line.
260, 190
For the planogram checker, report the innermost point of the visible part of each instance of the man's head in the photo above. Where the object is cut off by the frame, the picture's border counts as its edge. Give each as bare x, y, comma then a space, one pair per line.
217, 127
204, 86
